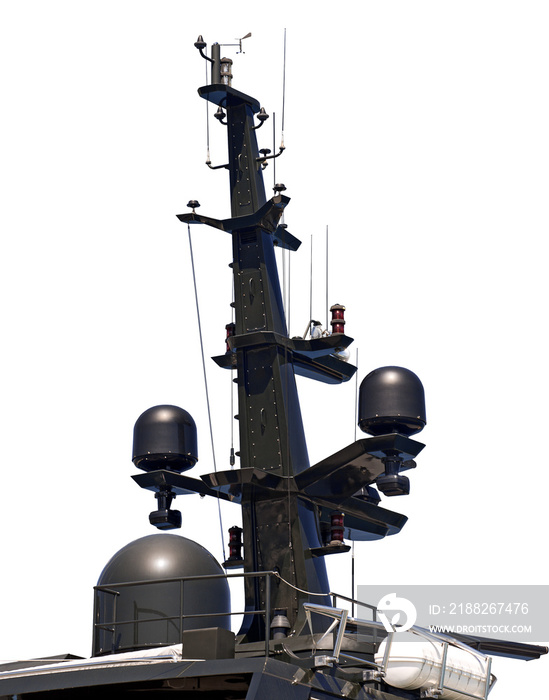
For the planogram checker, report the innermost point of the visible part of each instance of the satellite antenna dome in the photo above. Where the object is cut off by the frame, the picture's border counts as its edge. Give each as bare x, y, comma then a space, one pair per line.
141, 602
391, 400
164, 437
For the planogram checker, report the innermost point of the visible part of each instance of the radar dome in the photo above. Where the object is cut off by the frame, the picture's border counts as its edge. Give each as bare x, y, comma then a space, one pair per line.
139, 605
391, 400
164, 437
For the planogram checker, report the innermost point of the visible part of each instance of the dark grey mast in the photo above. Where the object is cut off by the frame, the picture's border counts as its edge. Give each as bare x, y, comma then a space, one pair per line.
281, 520
279, 528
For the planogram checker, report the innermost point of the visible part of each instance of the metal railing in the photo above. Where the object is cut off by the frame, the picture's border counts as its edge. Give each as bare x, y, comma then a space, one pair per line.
114, 590
341, 624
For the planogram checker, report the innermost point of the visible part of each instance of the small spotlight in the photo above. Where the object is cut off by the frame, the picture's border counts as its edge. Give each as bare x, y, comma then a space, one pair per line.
391, 483
165, 519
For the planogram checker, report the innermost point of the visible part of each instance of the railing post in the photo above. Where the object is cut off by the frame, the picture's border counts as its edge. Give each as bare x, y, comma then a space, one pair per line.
181, 600
488, 674
443, 667
267, 612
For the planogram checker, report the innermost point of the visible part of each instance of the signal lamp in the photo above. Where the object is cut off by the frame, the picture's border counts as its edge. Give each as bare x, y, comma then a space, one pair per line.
336, 527
338, 318
235, 543
229, 332
226, 75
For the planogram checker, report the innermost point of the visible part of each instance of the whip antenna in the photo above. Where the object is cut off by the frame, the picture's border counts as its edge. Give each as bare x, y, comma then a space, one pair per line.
283, 91
327, 275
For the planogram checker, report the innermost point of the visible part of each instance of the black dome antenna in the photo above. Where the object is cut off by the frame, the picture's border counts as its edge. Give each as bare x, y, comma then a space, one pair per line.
392, 403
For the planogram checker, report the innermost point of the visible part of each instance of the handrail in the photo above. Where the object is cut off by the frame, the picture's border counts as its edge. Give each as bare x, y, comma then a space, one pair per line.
340, 616
243, 574
113, 589
341, 621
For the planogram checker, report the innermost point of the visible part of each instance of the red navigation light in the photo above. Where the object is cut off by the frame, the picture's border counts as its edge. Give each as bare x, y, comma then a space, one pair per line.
230, 329
235, 543
338, 318
336, 527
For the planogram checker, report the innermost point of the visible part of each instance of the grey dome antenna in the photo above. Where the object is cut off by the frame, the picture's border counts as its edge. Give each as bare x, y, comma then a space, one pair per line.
143, 576
164, 446
392, 406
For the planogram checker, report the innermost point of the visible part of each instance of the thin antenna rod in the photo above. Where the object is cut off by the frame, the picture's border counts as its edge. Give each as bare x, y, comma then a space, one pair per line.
327, 258
353, 579
208, 159
232, 454
274, 148
353, 543
356, 393
311, 284
289, 310
283, 90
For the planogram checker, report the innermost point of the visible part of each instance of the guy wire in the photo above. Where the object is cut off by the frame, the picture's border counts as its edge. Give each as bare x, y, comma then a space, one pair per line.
205, 381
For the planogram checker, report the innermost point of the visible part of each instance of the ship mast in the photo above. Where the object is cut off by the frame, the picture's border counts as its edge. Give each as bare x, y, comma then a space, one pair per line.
279, 528
292, 513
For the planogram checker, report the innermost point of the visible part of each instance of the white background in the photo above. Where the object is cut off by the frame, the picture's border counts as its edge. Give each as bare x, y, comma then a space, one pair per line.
417, 131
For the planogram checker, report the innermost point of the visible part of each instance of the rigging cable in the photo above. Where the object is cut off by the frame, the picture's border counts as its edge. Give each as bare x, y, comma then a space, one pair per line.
205, 382
332, 594
353, 542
